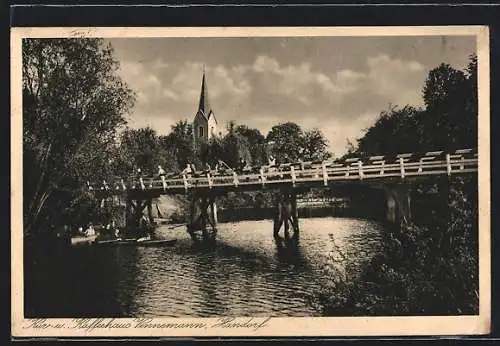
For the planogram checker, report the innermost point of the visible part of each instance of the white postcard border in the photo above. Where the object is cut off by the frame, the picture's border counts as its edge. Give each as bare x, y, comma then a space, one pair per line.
293, 326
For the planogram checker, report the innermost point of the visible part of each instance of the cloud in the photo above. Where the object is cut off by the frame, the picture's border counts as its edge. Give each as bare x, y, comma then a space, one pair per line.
266, 91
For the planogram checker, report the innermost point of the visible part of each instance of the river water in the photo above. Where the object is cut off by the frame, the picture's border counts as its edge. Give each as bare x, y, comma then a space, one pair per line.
246, 272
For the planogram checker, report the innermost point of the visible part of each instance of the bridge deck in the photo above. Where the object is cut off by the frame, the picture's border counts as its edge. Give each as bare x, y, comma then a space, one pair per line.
304, 174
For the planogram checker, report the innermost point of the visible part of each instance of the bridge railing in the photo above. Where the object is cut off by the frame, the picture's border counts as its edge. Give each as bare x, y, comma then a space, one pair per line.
402, 166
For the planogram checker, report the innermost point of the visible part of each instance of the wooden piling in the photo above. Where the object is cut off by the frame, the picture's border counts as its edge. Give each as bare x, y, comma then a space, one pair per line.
286, 214
203, 216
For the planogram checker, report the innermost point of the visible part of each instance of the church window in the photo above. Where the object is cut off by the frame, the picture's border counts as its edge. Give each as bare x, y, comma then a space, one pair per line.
201, 131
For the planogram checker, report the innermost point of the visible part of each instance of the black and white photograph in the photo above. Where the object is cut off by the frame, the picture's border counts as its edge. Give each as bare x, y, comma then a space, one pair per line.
240, 178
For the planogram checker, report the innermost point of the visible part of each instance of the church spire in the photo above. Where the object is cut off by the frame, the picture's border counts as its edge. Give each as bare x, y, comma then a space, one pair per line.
204, 106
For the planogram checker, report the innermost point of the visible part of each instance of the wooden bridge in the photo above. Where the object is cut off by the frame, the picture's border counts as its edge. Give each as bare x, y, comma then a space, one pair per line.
395, 173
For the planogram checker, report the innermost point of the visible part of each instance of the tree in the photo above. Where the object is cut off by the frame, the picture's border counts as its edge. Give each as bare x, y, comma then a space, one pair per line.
448, 122
287, 141
139, 148
234, 147
213, 151
315, 146
437, 256
395, 131
73, 101
441, 85
179, 142
256, 143
450, 119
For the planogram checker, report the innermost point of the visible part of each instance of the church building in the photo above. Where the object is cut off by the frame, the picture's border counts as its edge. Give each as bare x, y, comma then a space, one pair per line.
204, 123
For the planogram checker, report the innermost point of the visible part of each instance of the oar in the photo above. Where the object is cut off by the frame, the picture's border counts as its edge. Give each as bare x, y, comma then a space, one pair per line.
177, 226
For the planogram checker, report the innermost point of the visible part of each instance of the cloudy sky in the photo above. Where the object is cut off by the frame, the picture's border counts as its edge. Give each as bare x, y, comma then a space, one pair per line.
337, 84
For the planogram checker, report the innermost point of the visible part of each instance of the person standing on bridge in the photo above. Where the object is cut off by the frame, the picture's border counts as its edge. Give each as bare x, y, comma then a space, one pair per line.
242, 164
207, 167
161, 171
161, 174
221, 166
141, 181
271, 161
188, 170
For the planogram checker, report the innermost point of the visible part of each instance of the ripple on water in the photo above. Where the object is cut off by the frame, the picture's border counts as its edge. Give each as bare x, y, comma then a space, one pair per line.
245, 273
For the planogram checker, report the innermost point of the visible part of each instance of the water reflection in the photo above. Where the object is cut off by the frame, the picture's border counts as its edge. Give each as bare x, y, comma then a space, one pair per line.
288, 251
245, 271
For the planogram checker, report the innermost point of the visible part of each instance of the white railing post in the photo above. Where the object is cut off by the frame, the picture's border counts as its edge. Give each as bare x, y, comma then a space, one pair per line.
402, 167
325, 174
294, 178
348, 169
186, 184
382, 169
262, 177
235, 179
210, 183
448, 164
420, 168
163, 182
142, 183
360, 167
462, 165
124, 187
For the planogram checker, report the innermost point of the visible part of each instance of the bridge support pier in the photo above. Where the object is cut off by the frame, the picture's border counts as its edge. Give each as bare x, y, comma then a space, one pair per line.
398, 203
202, 217
286, 214
135, 222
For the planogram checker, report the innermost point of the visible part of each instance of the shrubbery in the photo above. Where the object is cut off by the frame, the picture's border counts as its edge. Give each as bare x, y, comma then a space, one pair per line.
421, 270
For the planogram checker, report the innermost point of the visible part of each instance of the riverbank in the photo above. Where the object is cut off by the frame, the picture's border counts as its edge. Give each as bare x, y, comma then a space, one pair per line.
430, 268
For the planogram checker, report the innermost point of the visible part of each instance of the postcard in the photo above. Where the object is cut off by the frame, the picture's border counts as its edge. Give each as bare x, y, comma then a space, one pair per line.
250, 181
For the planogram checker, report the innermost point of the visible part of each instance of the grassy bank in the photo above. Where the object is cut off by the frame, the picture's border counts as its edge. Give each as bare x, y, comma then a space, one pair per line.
429, 268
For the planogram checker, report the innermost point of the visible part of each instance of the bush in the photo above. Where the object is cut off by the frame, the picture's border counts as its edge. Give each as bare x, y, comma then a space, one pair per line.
419, 271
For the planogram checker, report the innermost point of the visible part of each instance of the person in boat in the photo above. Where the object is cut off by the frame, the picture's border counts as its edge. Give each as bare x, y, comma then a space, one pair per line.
90, 232
110, 230
114, 231
67, 234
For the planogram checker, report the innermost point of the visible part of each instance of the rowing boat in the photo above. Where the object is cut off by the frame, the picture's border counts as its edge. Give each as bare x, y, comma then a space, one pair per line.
135, 242
157, 242
114, 242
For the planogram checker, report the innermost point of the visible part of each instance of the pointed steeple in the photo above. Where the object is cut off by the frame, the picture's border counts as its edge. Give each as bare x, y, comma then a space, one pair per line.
204, 106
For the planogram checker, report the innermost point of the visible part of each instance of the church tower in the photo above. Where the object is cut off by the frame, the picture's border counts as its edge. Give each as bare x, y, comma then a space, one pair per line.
204, 123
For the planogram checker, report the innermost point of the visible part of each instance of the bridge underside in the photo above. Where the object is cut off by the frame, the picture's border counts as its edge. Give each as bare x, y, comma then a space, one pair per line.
202, 215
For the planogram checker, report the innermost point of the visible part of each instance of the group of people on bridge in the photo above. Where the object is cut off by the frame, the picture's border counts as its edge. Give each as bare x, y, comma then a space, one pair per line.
220, 168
